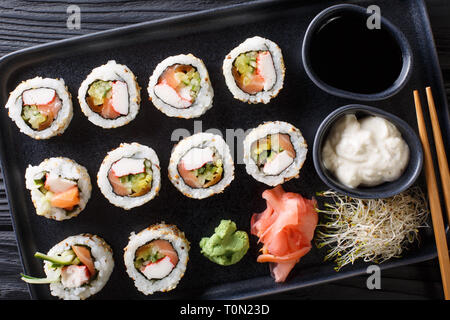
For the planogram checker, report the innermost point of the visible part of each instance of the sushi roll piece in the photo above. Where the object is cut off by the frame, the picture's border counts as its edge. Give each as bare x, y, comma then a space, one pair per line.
110, 95
41, 107
254, 70
180, 87
156, 258
76, 268
274, 152
130, 176
60, 188
201, 165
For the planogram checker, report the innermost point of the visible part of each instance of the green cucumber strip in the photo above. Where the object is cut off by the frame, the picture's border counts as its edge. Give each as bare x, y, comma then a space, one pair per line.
66, 260
33, 280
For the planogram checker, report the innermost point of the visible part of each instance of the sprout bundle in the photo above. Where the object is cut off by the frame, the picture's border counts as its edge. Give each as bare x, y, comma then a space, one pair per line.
374, 230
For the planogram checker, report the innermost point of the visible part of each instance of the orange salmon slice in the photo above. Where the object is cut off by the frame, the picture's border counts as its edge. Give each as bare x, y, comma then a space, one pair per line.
66, 199
84, 254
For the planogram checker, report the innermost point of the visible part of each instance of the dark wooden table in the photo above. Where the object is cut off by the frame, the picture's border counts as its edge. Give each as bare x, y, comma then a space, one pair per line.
28, 23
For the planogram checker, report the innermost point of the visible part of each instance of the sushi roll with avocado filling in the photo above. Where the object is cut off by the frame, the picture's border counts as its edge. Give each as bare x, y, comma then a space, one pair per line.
254, 71
60, 188
180, 87
274, 152
201, 165
76, 268
110, 95
156, 258
41, 108
130, 175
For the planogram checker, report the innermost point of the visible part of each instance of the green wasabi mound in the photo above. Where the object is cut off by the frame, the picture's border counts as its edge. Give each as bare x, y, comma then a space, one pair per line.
226, 246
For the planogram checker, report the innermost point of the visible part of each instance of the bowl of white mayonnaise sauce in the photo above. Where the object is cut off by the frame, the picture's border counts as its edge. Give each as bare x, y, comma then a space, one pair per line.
365, 152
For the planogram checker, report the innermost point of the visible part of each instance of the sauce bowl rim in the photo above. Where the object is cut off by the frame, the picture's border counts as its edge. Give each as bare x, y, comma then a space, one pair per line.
398, 36
386, 189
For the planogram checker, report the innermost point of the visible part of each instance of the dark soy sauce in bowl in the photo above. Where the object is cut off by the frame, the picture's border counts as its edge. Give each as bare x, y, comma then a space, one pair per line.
347, 55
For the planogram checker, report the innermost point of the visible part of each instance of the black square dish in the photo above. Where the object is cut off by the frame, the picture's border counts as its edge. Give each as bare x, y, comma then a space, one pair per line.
209, 35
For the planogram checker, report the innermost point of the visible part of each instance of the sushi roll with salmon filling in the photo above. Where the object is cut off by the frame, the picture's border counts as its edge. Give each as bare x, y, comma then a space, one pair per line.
110, 95
60, 188
180, 87
201, 165
76, 268
274, 152
156, 258
254, 71
41, 108
129, 176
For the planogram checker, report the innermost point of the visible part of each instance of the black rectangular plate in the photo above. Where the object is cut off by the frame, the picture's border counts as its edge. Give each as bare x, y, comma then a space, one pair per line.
209, 35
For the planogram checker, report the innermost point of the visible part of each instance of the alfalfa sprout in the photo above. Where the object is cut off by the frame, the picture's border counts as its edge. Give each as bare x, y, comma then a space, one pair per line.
374, 230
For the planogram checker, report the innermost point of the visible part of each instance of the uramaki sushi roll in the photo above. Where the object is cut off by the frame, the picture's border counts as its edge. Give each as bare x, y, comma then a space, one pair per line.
274, 152
156, 258
129, 176
201, 165
41, 107
110, 95
254, 70
180, 87
60, 188
76, 268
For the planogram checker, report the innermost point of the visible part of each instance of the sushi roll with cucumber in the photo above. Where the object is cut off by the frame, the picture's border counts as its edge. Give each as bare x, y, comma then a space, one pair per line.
60, 188
110, 95
156, 258
254, 70
41, 107
76, 268
129, 176
201, 165
274, 152
180, 87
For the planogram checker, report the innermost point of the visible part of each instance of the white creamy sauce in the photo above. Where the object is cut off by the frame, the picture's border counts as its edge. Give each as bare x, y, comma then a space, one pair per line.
366, 151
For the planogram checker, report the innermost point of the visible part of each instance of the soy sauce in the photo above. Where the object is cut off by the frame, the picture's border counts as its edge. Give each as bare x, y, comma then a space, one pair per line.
347, 55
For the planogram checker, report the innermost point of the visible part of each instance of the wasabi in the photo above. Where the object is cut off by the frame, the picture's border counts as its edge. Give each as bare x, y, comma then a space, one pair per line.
226, 246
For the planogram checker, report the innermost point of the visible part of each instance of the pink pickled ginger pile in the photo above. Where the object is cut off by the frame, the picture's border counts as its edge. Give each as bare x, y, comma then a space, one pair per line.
285, 228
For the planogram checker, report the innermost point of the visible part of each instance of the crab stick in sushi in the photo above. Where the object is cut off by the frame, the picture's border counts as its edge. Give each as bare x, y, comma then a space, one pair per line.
129, 176
60, 188
41, 108
110, 95
180, 87
254, 70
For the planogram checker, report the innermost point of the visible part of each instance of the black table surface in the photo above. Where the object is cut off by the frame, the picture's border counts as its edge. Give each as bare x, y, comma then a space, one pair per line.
28, 23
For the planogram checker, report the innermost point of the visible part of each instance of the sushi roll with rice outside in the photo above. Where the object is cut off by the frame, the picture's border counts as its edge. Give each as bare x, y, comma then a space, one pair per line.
180, 87
274, 152
41, 108
60, 188
129, 176
254, 70
156, 258
76, 268
201, 165
110, 95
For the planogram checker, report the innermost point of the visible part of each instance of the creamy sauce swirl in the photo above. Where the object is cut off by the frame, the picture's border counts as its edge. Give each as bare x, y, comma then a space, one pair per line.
366, 151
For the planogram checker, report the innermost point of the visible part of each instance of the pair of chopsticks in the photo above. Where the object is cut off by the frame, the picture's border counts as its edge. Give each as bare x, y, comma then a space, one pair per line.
433, 192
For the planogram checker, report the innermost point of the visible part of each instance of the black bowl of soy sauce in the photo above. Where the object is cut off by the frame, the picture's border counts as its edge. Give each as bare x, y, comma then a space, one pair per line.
346, 56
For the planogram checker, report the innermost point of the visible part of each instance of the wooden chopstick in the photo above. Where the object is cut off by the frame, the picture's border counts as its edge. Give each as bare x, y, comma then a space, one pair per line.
433, 198
440, 151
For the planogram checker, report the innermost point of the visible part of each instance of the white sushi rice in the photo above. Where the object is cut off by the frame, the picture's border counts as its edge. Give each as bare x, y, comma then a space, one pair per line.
129, 150
201, 140
63, 118
103, 262
164, 232
65, 168
204, 99
111, 71
297, 140
255, 44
